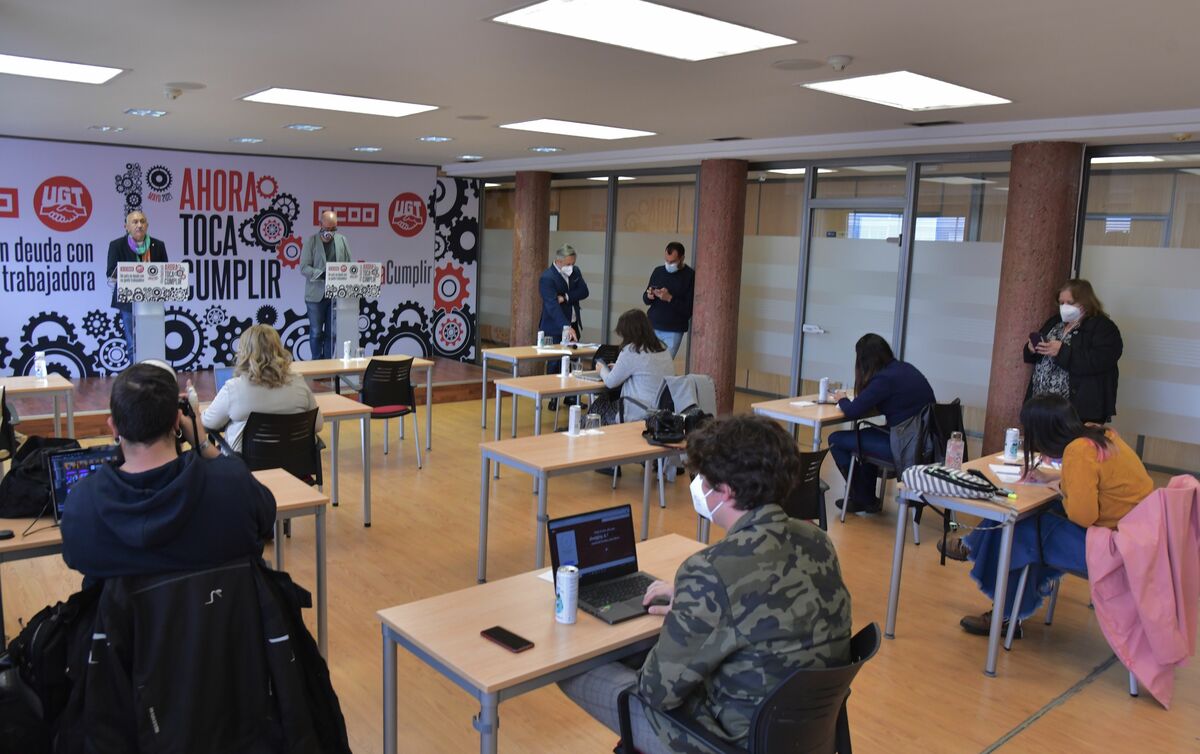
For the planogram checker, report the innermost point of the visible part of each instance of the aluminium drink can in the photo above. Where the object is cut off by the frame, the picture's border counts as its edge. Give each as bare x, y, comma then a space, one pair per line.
566, 594
1012, 442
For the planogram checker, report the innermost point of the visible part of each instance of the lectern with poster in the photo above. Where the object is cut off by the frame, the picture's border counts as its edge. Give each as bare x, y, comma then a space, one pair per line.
345, 284
147, 285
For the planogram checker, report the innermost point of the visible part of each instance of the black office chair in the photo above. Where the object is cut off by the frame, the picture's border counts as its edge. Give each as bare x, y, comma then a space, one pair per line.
8, 435
387, 389
805, 713
807, 500
284, 441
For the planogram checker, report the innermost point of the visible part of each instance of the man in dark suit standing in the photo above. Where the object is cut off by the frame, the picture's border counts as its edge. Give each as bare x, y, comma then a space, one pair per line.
562, 288
326, 245
135, 246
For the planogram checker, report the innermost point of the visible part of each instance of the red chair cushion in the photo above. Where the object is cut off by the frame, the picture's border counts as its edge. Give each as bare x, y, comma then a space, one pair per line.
383, 412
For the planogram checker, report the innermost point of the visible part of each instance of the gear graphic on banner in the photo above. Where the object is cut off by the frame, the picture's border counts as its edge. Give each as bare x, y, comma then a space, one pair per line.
294, 334
267, 186
287, 205
449, 199
63, 356
47, 325
453, 333
288, 251
409, 311
184, 339
463, 241
98, 324
158, 178
225, 344
266, 315
408, 332
215, 315
5, 354
449, 288
111, 357
370, 323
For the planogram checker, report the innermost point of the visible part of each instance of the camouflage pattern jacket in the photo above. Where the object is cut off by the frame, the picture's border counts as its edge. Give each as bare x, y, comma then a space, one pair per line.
748, 611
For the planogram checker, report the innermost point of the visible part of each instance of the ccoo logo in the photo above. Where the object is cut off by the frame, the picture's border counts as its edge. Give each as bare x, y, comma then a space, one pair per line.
407, 214
62, 203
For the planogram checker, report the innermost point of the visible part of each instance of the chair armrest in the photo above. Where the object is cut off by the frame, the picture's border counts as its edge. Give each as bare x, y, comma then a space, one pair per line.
677, 718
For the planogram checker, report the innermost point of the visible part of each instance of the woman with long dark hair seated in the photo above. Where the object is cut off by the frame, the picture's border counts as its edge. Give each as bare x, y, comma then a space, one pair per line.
882, 384
1102, 480
638, 371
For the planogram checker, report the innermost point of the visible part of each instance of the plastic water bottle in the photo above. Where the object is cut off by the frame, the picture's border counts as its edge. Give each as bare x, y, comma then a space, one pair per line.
566, 367
39, 365
823, 391
573, 420
541, 340
954, 450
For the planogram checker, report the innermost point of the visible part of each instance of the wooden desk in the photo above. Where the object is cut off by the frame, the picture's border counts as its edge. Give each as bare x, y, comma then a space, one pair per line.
443, 631
817, 416
54, 385
293, 498
518, 355
538, 388
1030, 500
557, 454
338, 368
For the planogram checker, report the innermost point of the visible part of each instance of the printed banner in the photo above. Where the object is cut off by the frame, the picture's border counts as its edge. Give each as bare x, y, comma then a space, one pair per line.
239, 224
352, 279
152, 281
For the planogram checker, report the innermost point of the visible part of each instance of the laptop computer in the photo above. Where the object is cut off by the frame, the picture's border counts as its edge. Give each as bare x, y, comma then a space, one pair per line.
221, 375
602, 545
68, 467
592, 375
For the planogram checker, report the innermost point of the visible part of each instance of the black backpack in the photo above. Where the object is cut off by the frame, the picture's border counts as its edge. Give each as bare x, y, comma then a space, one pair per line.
25, 490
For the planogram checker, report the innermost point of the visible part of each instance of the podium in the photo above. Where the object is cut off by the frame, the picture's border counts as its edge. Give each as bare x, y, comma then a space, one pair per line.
147, 285
345, 284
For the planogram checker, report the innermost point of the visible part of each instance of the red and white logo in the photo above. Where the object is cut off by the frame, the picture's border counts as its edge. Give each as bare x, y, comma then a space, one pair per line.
8, 203
407, 214
62, 203
140, 269
350, 214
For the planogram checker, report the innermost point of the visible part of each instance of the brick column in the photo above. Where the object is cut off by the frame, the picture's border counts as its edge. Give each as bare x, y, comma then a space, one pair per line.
531, 254
720, 228
1039, 247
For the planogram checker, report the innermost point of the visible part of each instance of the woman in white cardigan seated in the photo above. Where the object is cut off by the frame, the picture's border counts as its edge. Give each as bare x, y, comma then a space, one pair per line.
262, 382
639, 370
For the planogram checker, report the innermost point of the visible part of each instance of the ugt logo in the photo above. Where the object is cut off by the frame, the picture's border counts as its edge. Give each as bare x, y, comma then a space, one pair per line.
407, 214
62, 203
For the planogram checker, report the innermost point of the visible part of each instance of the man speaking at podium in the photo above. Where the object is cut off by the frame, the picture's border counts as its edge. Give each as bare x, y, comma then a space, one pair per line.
326, 245
135, 246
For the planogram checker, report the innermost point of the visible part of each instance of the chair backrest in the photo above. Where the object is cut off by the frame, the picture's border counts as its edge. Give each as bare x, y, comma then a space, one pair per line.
947, 419
802, 713
8, 435
805, 500
387, 382
282, 441
607, 353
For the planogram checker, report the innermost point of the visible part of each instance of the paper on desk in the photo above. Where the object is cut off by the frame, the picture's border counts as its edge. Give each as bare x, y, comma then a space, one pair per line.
802, 404
1006, 474
547, 576
552, 351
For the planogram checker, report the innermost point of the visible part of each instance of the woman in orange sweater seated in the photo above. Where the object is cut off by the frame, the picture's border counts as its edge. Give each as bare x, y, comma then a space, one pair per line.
1102, 480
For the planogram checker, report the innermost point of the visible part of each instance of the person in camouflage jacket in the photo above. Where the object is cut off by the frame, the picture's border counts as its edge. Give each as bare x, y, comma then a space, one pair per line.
746, 612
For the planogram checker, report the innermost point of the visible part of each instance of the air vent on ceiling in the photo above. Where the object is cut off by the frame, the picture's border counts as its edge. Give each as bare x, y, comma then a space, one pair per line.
927, 123
728, 138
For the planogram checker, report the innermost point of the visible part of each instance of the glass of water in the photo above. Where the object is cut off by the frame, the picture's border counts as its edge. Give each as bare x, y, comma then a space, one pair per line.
591, 424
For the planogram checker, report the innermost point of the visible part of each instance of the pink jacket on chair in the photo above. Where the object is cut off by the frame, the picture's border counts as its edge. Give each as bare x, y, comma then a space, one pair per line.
1145, 583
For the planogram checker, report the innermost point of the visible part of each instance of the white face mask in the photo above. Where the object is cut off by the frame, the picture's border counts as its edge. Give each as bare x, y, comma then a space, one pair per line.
1069, 312
672, 266
567, 269
699, 498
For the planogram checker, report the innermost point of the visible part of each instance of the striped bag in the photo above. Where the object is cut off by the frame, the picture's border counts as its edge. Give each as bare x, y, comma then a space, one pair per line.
943, 481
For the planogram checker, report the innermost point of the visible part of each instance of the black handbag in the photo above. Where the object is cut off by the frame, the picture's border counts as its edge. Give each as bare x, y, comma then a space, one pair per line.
664, 427
25, 490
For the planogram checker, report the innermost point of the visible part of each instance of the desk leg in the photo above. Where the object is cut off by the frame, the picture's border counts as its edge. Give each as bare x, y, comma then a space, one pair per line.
365, 431
816, 437
429, 408
488, 723
70, 413
662, 482
389, 694
499, 404
701, 528
278, 544
57, 417
537, 428
333, 460
484, 482
646, 466
897, 567
514, 407
322, 601
542, 518
1006, 538
483, 395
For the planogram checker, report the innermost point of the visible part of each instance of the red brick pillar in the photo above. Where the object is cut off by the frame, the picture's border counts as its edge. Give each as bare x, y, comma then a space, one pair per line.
1039, 247
720, 227
531, 254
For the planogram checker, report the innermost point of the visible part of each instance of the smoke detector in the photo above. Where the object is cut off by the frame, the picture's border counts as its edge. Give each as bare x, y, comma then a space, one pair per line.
839, 62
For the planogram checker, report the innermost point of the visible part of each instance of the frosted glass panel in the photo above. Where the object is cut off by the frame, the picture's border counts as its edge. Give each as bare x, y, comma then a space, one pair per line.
767, 313
1151, 294
589, 246
636, 255
495, 292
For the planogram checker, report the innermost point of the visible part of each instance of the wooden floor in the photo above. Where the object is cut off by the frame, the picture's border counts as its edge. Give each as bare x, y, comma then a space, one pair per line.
925, 691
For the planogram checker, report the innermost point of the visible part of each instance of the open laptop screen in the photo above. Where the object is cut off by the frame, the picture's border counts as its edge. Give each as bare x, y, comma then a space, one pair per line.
600, 543
68, 467
221, 375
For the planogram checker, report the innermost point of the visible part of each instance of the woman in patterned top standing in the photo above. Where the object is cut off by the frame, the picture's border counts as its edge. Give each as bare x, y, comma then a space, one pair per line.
1076, 356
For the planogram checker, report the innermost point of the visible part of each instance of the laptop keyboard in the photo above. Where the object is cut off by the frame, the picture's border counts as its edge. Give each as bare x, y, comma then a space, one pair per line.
611, 592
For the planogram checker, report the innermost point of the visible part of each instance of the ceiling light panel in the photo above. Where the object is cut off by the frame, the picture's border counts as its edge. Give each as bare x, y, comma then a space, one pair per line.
799, 171
907, 91
143, 112
573, 128
605, 178
1122, 160
643, 26
57, 70
340, 102
956, 180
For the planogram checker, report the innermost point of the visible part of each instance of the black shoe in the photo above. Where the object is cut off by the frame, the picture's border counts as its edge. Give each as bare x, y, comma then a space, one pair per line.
981, 625
872, 507
609, 471
553, 405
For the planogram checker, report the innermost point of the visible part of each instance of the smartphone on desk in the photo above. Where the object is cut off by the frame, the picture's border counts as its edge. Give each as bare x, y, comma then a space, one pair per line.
506, 639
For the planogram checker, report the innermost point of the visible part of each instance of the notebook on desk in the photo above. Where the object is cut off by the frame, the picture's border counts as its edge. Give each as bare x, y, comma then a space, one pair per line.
592, 375
601, 545
68, 467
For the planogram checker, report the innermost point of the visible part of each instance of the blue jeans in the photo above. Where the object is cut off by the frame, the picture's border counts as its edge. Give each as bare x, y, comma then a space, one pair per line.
875, 444
671, 339
127, 322
319, 329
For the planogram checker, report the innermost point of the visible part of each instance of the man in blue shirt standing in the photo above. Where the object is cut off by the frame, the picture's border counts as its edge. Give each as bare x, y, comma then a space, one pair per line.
669, 296
562, 288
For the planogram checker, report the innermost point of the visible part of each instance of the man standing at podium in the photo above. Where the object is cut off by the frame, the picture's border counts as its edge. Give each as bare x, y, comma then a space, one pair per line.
135, 246
326, 245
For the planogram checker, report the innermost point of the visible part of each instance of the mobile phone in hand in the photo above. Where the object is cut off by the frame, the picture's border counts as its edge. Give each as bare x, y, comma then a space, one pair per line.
1035, 338
506, 639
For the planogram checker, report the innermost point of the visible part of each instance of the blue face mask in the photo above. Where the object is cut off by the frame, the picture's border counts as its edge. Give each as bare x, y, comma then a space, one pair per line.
672, 266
